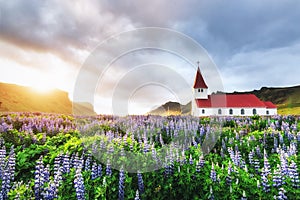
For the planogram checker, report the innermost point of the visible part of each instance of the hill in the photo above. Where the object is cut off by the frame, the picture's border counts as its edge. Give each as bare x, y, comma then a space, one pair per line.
286, 98
16, 98
172, 108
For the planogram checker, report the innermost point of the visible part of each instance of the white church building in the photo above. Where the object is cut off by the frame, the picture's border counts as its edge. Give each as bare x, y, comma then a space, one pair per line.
227, 104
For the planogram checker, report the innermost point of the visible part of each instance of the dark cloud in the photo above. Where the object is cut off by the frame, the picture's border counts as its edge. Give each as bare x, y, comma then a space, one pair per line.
57, 27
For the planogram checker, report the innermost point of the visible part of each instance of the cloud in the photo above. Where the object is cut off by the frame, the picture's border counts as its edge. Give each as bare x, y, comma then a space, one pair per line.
274, 68
60, 27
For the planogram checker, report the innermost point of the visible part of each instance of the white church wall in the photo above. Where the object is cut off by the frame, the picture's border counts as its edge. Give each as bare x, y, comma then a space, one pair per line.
235, 111
272, 111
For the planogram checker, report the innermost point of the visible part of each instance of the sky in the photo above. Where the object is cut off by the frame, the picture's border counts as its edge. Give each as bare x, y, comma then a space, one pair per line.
245, 45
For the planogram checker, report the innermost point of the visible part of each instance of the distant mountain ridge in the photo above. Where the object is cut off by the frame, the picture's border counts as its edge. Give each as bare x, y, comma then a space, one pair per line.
16, 98
172, 108
287, 100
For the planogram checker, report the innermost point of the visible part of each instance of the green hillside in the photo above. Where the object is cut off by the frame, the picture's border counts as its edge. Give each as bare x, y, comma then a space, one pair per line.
15, 98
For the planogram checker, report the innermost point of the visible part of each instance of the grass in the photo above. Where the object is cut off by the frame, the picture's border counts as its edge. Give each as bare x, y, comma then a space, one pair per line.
288, 110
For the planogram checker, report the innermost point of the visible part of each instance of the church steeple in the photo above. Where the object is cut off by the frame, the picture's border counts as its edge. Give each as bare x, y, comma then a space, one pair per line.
199, 81
200, 87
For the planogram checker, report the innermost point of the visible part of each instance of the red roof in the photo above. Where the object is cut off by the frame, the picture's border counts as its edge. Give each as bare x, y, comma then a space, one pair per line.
233, 101
269, 104
199, 81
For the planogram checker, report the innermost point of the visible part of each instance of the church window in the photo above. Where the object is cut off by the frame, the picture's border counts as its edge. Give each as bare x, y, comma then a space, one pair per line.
254, 111
203, 111
219, 111
242, 111
230, 111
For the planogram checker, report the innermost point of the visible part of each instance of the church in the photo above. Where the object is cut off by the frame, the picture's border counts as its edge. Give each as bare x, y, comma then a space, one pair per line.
227, 104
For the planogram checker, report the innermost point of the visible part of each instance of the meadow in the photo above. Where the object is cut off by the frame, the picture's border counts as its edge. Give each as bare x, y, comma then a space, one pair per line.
53, 156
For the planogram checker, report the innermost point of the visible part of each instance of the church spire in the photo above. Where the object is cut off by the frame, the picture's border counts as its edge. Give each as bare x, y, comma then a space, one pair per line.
199, 81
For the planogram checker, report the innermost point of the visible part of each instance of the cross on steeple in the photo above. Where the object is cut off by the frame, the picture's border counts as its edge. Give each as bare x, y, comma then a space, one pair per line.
198, 62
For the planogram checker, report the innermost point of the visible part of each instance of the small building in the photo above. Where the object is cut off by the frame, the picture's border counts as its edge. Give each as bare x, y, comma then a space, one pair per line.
227, 104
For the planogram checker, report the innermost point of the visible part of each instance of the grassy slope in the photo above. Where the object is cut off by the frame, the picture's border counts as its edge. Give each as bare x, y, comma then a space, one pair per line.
16, 98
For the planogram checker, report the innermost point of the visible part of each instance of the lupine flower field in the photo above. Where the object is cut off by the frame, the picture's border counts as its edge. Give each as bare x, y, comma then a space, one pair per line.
48, 156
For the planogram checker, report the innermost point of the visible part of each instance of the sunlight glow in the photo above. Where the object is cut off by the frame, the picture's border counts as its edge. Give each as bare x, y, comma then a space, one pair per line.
42, 88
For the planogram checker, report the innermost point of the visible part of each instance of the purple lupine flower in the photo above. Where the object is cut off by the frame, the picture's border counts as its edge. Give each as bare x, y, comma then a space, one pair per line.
66, 163
265, 173
108, 169
122, 185
265, 183
250, 156
201, 162
256, 165
275, 143
11, 164
99, 170
87, 164
171, 165
57, 181
140, 183
281, 195
94, 171
57, 162
137, 195
5, 184
79, 185
283, 163
194, 142
2, 160
228, 177
167, 167
213, 174
280, 139
298, 137
266, 168
293, 174
237, 158
47, 174
39, 178
78, 162
277, 178
50, 192
146, 147
231, 154
258, 152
